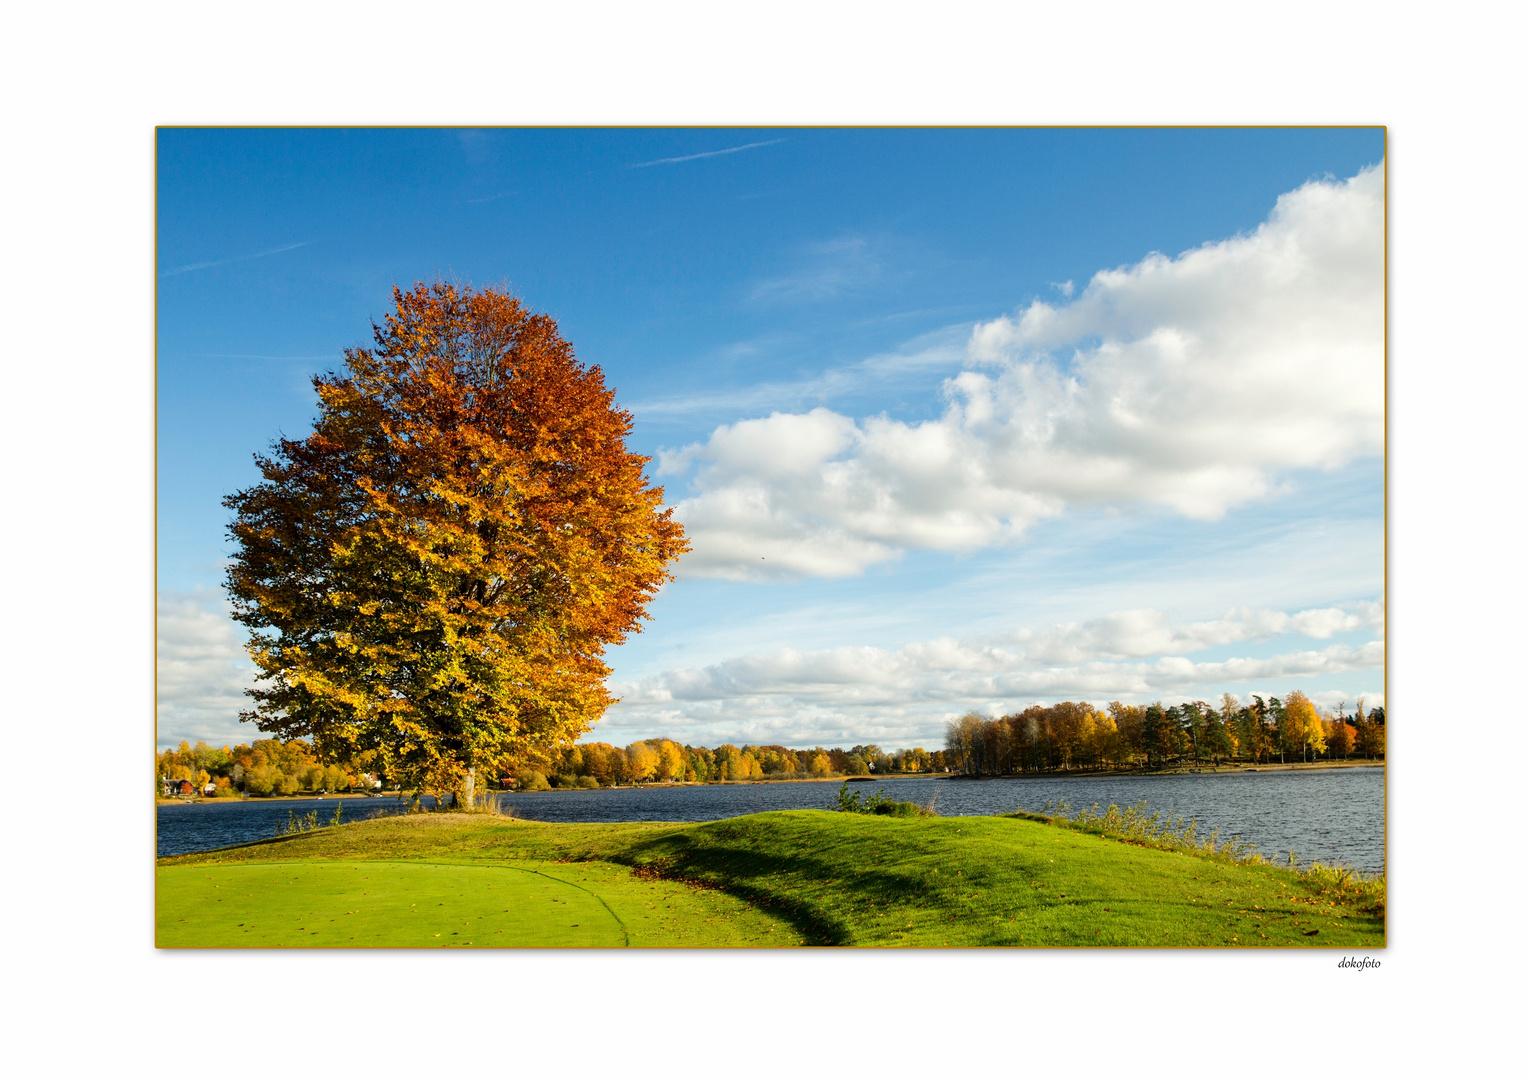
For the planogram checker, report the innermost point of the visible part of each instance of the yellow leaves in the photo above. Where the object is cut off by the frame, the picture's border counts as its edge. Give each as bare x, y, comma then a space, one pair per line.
1305, 727
444, 559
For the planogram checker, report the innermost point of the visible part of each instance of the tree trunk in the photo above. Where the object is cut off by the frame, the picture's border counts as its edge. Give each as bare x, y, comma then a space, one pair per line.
466, 798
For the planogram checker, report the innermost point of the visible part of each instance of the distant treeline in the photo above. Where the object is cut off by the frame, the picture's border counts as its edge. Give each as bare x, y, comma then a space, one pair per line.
271, 767
663, 760
1075, 735
265, 767
1042, 738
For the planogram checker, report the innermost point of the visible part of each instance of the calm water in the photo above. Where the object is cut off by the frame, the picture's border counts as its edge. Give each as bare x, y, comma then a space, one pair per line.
1334, 815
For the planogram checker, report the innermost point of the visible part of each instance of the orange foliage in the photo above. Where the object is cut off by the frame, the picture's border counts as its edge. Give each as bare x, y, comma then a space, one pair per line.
434, 573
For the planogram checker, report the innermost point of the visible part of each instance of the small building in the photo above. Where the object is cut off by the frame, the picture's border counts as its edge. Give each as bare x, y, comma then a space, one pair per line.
210, 790
179, 787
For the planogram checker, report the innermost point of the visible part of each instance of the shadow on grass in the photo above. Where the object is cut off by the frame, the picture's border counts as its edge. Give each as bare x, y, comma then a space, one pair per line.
765, 878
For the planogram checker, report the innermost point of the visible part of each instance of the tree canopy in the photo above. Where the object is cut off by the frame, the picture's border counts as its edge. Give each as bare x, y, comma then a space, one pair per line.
433, 574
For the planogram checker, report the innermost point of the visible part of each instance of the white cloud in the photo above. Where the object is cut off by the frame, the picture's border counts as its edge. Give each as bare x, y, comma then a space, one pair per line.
851, 694
1148, 633
862, 692
203, 669
1188, 382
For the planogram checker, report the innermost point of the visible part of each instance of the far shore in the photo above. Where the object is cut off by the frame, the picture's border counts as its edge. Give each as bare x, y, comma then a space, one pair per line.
1205, 770
198, 800
1071, 774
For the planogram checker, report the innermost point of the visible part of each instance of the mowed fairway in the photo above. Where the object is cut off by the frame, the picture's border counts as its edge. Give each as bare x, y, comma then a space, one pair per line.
356, 904
784, 878
359, 904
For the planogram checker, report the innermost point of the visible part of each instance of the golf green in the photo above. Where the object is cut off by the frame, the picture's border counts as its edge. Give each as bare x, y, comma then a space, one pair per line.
355, 904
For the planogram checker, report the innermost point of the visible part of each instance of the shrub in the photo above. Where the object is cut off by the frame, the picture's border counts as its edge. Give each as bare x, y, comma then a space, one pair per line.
532, 781
262, 780
878, 803
293, 824
1349, 885
488, 803
586, 782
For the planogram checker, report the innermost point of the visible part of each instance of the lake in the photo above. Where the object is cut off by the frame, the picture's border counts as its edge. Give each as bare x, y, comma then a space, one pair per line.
1333, 815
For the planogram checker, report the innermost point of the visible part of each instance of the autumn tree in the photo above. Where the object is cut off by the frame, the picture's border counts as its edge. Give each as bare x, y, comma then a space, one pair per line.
1108, 742
433, 574
642, 762
965, 742
1369, 738
1339, 739
1130, 723
670, 760
1301, 725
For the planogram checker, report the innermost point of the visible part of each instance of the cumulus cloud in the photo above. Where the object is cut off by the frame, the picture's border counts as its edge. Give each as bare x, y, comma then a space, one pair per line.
1190, 382
1149, 633
855, 694
863, 692
202, 669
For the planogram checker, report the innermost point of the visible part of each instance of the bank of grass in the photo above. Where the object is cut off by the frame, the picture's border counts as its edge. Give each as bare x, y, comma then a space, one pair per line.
784, 878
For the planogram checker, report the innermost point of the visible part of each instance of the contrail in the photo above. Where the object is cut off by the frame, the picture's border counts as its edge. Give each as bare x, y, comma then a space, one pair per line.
708, 153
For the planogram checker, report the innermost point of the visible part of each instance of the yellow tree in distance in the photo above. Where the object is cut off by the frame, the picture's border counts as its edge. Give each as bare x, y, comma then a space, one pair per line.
1304, 724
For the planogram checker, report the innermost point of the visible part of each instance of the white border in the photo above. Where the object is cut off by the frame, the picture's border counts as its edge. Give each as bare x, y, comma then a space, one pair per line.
83, 97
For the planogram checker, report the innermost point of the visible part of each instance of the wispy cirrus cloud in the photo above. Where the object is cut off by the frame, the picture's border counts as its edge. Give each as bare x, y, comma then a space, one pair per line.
268, 356
832, 268
939, 351
704, 154
207, 265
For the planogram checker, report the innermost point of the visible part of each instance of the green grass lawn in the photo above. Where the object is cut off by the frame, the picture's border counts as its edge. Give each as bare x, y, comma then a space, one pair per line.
356, 903
786, 878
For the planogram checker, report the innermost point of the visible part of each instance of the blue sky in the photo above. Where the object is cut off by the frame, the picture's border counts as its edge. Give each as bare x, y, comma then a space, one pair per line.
957, 419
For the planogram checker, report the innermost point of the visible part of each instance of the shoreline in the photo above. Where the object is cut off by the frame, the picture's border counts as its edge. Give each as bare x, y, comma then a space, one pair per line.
201, 800
1205, 770
1076, 774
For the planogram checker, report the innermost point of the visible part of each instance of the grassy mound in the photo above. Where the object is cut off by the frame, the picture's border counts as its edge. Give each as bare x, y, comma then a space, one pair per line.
789, 877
